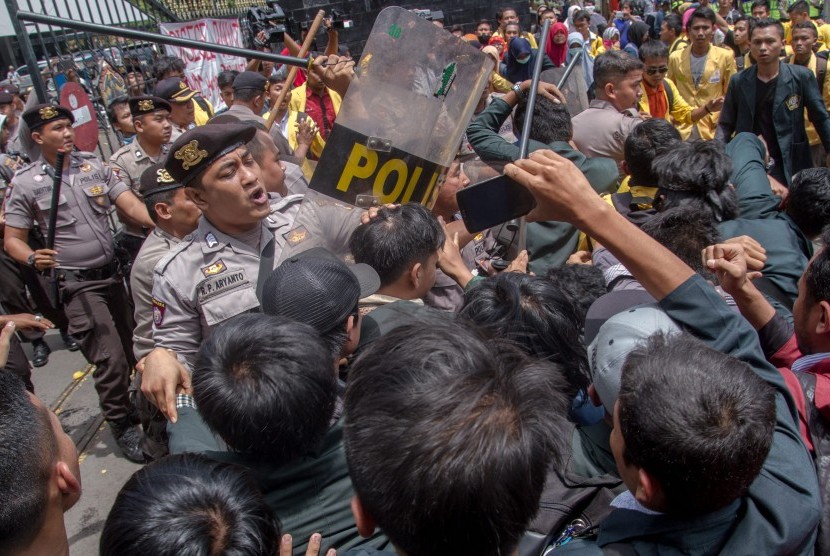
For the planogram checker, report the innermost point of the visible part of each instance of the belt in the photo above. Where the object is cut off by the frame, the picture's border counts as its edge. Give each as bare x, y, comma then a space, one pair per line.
89, 274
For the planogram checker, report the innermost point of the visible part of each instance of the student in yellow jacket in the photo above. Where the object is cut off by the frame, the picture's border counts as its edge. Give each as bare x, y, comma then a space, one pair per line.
309, 99
661, 99
701, 72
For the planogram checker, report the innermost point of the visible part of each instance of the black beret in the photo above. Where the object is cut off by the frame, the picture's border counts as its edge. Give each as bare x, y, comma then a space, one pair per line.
174, 89
5, 98
156, 179
196, 149
140, 106
250, 80
42, 114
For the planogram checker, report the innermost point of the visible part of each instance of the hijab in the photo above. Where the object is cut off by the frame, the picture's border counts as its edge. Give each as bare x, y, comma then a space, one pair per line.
493, 53
495, 39
608, 37
638, 33
557, 52
570, 21
517, 71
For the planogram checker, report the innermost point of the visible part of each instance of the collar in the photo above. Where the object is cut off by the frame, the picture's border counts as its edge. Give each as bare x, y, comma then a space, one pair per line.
141, 153
165, 236
626, 501
605, 105
309, 93
806, 362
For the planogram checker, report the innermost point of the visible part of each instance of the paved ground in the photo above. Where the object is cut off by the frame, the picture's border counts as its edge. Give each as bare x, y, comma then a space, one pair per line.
103, 469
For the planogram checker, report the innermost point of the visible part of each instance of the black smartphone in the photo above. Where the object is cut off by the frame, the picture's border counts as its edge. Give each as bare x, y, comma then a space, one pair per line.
493, 202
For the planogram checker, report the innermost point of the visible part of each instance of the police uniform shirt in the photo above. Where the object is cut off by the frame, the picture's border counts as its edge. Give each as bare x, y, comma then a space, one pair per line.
178, 130
601, 130
89, 188
210, 277
131, 160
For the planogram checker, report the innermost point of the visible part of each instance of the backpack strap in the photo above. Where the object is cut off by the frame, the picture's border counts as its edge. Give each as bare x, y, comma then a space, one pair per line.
669, 93
821, 68
203, 105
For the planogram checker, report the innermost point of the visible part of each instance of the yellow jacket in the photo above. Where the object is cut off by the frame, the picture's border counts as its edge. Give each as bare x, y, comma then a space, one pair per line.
597, 47
297, 104
679, 112
200, 116
812, 136
719, 69
499, 83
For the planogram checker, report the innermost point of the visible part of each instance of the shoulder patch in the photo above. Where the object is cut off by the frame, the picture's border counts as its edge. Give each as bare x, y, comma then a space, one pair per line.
216, 268
296, 236
159, 307
216, 285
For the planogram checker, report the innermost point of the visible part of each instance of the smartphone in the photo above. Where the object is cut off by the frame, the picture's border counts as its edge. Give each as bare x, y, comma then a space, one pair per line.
493, 202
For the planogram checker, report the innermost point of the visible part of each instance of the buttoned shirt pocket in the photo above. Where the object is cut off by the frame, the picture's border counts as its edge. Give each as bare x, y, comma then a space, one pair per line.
97, 194
65, 215
220, 301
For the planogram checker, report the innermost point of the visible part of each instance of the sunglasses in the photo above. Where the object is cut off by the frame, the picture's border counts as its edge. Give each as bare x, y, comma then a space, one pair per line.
661, 69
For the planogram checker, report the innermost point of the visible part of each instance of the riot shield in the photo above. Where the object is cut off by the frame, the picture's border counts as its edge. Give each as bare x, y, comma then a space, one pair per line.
397, 131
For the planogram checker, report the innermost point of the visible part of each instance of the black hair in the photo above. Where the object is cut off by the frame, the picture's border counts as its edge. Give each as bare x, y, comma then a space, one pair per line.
653, 49
397, 239
685, 230
674, 22
739, 18
189, 504
702, 13
160, 197
513, 24
808, 202
582, 284
698, 421
247, 95
759, 4
697, 172
809, 25
117, 101
613, 66
225, 78
500, 13
629, 3
166, 64
259, 146
763, 23
799, 7
449, 437
646, 142
817, 273
27, 451
482, 22
266, 386
535, 314
581, 14
551, 121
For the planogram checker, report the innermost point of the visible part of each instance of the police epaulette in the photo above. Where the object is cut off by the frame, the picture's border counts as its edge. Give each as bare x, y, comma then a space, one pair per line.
286, 202
174, 251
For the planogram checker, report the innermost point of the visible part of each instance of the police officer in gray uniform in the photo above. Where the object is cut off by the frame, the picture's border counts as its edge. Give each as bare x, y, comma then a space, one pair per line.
151, 116
90, 286
213, 274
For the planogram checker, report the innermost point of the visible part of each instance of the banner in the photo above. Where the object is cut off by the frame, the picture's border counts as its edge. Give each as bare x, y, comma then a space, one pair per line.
201, 67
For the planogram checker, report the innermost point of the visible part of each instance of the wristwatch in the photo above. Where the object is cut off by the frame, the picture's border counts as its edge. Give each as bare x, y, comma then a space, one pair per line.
517, 88
31, 260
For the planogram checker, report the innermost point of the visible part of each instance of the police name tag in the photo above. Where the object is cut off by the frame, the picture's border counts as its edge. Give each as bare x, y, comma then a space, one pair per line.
221, 284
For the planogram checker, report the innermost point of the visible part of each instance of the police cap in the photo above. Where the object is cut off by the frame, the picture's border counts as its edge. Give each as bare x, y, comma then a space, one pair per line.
174, 89
11, 89
156, 179
41, 114
5, 98
139, 106
250, 80
196, 149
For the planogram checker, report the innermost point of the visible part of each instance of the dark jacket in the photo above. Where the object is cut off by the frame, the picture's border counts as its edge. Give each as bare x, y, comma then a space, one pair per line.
781, 510
312, 494
796, 90
549, 243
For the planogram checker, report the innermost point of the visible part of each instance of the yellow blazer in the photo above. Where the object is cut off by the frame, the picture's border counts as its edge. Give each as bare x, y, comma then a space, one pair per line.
719, 69
297, 104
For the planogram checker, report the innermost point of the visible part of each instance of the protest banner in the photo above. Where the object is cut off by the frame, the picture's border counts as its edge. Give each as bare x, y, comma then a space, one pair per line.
201, 67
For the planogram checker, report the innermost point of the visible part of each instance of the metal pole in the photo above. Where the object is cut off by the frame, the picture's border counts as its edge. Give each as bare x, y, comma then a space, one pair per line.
159, 38
534, 84
569, 70
27, 50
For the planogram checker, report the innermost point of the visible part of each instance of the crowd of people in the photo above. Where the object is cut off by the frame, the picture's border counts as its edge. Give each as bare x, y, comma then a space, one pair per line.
646, 374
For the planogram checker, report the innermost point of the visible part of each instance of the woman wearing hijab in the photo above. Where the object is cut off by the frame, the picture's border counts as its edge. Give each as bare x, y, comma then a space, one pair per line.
499, 83
570, 21
520, 59
611, 39
499, 44
577, 43
637, 35
557, 46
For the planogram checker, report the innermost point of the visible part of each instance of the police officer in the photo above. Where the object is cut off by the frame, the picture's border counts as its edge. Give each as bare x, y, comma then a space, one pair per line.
151, 117
182, 114
93, 296
213, 274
